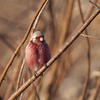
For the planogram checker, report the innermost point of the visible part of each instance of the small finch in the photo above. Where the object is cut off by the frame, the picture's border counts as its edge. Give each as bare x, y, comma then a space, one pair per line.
37, 52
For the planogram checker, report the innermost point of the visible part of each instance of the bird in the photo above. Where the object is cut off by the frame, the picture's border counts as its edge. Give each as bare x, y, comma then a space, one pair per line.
37, 52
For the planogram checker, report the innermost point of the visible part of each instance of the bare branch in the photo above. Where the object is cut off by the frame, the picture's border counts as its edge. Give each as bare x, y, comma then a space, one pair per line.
30, 75
94, 4
37, 18
97, 90
88, 56
70, 40
20, 74
22, 93
88, 36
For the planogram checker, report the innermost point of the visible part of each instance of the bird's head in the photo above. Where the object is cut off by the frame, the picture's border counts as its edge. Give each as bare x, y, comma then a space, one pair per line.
38, 38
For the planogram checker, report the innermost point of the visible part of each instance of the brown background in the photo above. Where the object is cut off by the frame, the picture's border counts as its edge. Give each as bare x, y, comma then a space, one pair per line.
15, 18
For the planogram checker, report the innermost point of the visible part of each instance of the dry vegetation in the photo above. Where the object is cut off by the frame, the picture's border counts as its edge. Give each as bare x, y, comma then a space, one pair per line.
75, 74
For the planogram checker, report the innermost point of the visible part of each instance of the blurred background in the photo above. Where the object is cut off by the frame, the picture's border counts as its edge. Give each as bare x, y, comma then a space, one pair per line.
64, 79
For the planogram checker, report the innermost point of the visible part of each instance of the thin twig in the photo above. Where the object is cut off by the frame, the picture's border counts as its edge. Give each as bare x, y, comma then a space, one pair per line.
22, 93
88, 36
30, 75
88, 13
94, 4
14, 78
66, 22
70, 40
53, 41
37, 18
21, 44
20, 74
88, 56
55, 83
97, 90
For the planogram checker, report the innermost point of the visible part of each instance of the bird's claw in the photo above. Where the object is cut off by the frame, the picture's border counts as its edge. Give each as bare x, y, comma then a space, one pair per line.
41, 74
4, 79
45, 64
35, 74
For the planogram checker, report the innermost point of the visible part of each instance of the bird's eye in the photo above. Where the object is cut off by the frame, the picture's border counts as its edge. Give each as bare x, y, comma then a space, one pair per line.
35, 37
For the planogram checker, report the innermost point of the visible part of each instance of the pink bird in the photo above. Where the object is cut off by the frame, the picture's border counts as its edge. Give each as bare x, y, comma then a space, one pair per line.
37, 51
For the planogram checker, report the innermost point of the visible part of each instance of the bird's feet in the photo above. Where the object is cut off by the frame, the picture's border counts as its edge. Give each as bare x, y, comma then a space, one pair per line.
35, 74
45, 64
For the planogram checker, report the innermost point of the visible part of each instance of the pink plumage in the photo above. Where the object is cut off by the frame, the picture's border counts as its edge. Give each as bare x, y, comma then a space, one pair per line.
37, 51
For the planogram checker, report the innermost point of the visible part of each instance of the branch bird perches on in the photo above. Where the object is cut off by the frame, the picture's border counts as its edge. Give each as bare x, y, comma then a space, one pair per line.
69, 41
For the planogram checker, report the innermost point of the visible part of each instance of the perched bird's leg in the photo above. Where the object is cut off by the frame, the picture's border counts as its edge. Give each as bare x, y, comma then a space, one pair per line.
45, 64
35, 72
41, 74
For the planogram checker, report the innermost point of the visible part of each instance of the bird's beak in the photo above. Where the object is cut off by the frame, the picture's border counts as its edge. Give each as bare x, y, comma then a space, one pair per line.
41, 39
